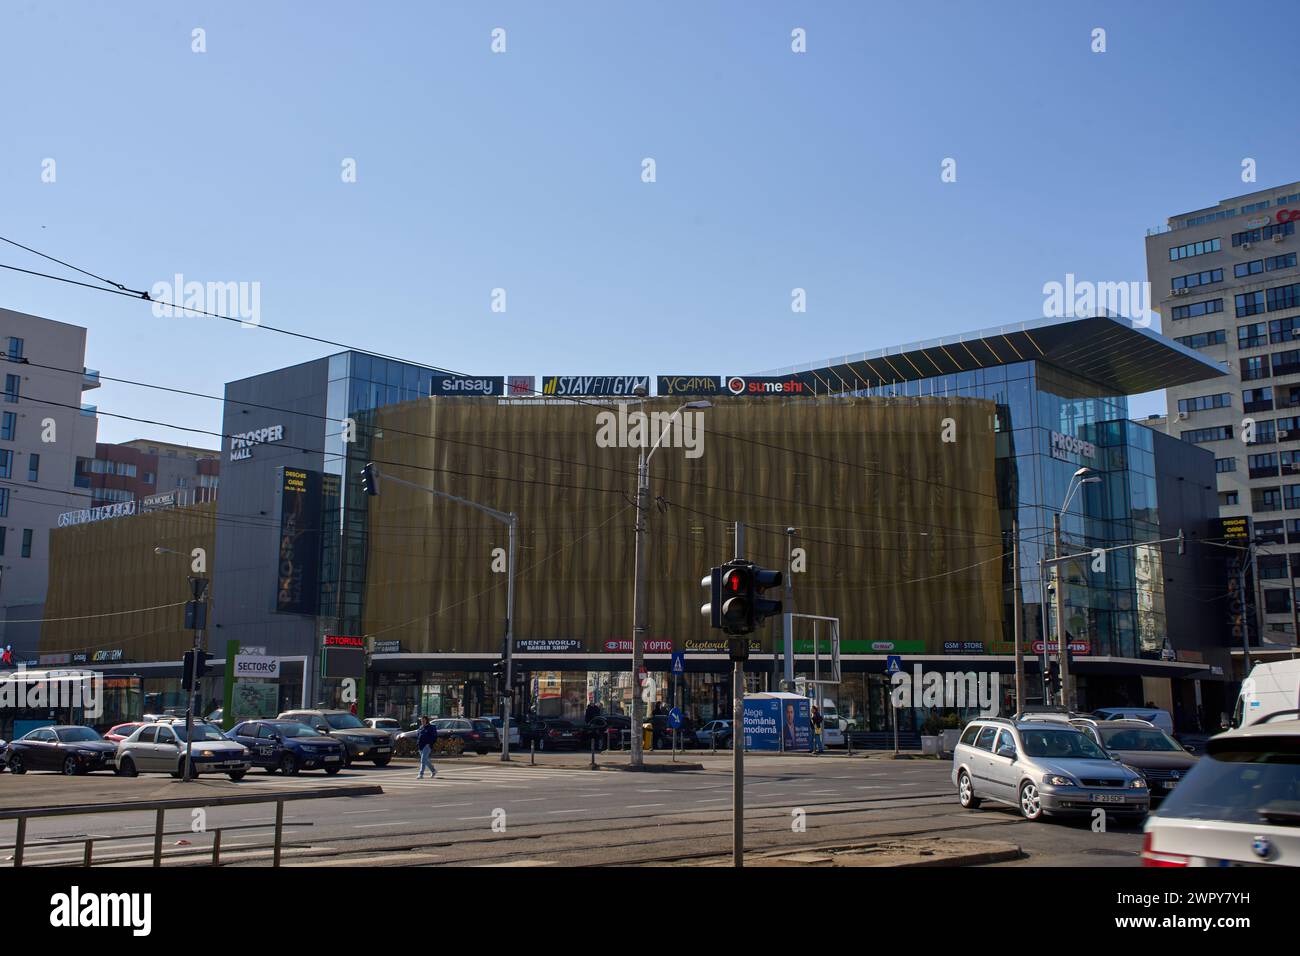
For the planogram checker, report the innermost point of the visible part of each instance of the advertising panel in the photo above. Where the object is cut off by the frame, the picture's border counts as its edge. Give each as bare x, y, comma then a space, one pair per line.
762, 723
254, 699
467, 385
298, 571
594, 384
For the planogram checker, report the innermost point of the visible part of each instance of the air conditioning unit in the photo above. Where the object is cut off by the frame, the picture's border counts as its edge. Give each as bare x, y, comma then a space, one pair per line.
1279, 237
1245, 245
1183, 416
1181, 291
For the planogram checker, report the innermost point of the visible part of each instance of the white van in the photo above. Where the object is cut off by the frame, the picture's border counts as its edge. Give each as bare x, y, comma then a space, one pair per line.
1270, 688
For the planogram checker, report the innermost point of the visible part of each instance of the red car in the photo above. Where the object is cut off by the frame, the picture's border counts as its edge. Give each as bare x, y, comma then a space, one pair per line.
122, 731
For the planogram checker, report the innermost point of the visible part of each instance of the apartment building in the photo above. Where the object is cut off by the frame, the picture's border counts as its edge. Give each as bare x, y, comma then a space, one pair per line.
145, 469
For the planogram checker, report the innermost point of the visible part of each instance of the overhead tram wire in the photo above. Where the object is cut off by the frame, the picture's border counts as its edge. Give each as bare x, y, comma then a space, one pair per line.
121, 290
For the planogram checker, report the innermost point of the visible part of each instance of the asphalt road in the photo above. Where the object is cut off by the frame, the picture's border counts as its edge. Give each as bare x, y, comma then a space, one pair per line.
478, 811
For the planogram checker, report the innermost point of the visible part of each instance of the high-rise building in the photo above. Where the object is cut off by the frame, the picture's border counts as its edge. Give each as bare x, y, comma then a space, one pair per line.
146, 469
44, 429
1226, 283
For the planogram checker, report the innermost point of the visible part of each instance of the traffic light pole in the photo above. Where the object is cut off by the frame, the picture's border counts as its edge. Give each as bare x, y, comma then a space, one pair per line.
738, 740
639, 614
199, 589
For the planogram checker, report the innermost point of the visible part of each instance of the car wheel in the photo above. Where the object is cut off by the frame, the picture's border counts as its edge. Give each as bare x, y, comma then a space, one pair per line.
270, 769
71, 768
16, 764
382, 761
289, 765
126, 768
237, 774
966, 792
1031, 801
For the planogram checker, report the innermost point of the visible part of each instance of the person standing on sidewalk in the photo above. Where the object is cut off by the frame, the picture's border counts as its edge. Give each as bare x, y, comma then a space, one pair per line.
817, 746
424, 742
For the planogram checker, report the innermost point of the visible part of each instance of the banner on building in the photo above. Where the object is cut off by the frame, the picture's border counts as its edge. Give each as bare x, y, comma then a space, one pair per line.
298, 570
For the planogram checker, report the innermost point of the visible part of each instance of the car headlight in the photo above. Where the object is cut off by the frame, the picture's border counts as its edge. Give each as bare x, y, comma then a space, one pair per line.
1057, 780
1138, 783
85, 753
207, 753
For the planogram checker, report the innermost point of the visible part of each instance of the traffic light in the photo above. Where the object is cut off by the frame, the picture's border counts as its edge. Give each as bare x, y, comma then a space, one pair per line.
499, 675
763, 608
194, 665
736, 603
370, 479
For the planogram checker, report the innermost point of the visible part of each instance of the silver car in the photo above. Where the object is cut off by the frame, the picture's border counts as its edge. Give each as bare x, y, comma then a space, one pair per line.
161, 747
1043, 767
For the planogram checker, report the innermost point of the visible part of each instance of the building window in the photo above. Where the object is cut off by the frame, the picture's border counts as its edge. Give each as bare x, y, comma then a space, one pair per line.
1202, 339
1283, 297
6, 463
1263, 466
1222, 465
1254, 368
1194, 279
1290, 462
3, 529
1282, 331
1190, 249
1264, 232
1272, 566
1208, 307
1248, 303
1203, 403
1277, 600
1264, 433
1218, 433
1253, 268
1287, 362
148, 478
33, 467
15, 349
1269, 532
1257, 399
8, 426
1265, 499
27, 542
1252, 336
12, 385
1288, 429
1227, 499
4, 502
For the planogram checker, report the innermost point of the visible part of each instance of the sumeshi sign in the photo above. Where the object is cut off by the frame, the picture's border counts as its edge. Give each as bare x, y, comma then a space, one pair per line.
594, 384
467, 385
766, 385
297, 574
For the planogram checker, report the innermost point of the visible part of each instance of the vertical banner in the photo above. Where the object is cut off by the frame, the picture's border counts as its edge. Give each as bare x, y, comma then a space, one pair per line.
298, 570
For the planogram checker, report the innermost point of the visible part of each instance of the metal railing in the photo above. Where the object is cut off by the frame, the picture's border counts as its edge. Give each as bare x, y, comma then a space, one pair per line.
160, 807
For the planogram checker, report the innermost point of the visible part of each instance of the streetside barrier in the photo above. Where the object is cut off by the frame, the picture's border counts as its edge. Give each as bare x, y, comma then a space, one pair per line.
160, 807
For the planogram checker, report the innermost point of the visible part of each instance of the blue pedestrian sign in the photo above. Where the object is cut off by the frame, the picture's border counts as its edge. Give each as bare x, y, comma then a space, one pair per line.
893, 664
675, 718
679, 662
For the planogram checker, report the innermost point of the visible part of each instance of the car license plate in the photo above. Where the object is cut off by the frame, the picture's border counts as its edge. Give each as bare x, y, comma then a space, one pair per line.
334, 757
1107, 798
1169, 784
382, 750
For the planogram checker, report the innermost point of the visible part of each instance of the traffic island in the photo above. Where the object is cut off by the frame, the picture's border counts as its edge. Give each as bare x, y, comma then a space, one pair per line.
947, 851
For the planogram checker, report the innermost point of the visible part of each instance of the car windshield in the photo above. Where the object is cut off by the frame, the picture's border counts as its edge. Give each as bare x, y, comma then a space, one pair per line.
70, 735
343, 721
386, 724
1156, 741
201, 732
295, 730
1257, 781
1064, 744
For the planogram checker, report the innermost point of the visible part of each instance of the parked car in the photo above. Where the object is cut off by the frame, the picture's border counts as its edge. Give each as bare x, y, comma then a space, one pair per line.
71, 749
514, 729
389, 725
215, 716
475, 734
288, 746
1161, 760
1239, 806
161, 747
119, 732
4, 756
608, 730
1153, 715
714, 730
1043, 768
552, 734
362, 742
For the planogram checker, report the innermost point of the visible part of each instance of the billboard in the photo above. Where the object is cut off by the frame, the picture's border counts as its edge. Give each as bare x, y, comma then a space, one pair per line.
467, 385
689, 385
298, 570
594, 384
765, 385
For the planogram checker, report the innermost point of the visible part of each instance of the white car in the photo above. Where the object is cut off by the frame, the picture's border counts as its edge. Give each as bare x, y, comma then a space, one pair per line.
514, 729
1240, 806
389, 724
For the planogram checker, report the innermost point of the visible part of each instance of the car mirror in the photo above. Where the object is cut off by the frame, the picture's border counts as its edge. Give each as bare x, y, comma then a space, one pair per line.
1008, 752
1189, 748
277, 738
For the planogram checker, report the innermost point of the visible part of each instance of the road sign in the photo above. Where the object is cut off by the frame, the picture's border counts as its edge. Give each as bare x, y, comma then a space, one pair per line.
679, 662
675, 718
893, 664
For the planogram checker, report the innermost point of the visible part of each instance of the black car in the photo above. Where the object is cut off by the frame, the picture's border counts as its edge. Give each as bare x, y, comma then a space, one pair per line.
476, 734
289, 746
71, 749
552, 734
1163, 761
608, 730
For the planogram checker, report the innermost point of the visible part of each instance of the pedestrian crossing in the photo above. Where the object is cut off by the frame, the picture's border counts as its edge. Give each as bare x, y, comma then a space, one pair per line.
407, 779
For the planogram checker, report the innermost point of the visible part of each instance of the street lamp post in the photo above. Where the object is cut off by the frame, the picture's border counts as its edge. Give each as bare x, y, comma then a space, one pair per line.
1084, 476
639, 611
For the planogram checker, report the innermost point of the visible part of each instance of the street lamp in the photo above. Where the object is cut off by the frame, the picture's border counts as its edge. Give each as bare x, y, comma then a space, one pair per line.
639, 615
1084, 476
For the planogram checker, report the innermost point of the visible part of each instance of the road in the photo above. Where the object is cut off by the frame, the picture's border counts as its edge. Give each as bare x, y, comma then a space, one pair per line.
558, 815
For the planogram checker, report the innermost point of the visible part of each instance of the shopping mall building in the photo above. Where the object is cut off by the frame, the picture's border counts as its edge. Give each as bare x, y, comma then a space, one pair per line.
905, 473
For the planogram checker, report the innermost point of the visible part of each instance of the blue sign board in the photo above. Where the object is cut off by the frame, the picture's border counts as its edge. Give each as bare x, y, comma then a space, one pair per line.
762, 724
679, 663
467, 385
675, 718
893, 664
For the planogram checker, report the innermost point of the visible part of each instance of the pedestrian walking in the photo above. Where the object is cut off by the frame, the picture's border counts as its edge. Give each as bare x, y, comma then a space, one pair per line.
424, 742
818, 746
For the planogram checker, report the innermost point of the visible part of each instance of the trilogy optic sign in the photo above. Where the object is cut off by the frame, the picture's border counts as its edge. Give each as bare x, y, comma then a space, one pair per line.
1063, 446
467, 385
241, 445
594, 384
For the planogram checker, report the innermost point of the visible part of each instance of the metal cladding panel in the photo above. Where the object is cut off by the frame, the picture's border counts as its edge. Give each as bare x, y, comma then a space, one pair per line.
103, 572
900, 527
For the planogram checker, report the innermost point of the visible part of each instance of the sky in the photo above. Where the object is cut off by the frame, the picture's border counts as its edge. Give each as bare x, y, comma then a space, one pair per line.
523, 171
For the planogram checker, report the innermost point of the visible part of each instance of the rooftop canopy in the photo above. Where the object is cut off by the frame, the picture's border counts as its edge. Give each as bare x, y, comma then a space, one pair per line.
1113, 352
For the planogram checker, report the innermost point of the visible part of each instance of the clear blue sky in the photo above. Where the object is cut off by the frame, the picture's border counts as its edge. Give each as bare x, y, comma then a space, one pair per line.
522, 171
